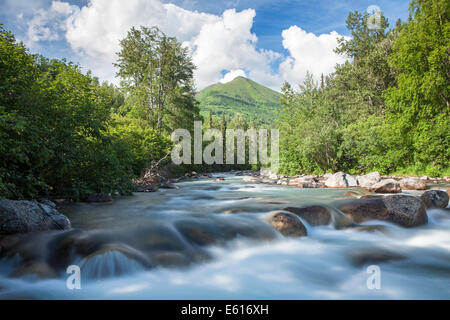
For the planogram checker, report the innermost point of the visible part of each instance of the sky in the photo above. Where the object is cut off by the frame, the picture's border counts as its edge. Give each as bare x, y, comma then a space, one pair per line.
268, 41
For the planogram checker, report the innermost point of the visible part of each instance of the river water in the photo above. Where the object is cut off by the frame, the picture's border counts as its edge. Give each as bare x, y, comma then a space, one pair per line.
236, 256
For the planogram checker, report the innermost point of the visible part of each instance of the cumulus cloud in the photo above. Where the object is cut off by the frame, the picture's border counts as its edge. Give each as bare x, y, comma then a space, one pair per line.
228, 44
308, 52
49, 25
217, 43
230, 76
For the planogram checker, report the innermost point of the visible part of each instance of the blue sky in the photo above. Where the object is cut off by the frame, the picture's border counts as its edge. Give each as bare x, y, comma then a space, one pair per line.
269, 41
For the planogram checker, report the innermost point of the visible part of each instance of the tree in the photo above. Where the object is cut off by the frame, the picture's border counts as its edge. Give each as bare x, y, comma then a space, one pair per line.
157, 75
419, 101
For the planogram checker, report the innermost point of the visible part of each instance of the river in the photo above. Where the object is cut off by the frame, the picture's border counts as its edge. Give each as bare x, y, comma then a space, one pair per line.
236, 256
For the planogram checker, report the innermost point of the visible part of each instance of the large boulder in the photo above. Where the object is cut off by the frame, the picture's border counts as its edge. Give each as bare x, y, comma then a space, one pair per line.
29, 216
403, 210
336, 180
351, 181
386, 186
368, 180
314, 215
287, 224
413, 184
435, 199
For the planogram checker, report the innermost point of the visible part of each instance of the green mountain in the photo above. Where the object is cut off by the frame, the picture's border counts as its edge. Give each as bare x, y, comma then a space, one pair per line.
255, 102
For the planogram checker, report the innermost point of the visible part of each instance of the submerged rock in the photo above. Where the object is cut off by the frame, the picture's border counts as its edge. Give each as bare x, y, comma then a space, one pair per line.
252, 179
196, 234
371, 228
147, 188
28, 216
374, 256
167, 185
34, 268
287, 224
386, 186
129, 252
314, 215
413, 184
403, 210
99, 197
234, 211
435, 199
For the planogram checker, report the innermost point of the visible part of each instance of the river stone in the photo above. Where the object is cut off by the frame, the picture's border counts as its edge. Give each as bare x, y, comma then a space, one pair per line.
448, 192
28, 216
167, 185
48, 203
170, 259
435, 199
252, 179
34, 268
233, 211
309, 185
287, 224
413, 184
336, 180
386, 186
148, 188
368, 180
403, 210
196, 234
314, 215
374, 256
371, 228
351, 181
352, 194
129, 252
99, 197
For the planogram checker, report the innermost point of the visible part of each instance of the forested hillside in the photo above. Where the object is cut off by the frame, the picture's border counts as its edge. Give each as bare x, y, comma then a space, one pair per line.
258, 104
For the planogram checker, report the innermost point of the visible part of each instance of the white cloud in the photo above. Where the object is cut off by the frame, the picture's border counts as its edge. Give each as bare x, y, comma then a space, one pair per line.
228, 44
216, 43
230, 76
49, 25
308, 52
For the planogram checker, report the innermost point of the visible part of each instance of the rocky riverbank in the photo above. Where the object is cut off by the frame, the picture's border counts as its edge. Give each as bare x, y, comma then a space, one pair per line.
373, 181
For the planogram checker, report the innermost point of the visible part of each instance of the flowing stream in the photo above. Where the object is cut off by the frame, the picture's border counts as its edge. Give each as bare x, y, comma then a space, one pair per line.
184, 244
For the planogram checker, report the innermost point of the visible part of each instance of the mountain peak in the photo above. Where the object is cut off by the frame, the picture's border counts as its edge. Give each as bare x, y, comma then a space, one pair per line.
256, 102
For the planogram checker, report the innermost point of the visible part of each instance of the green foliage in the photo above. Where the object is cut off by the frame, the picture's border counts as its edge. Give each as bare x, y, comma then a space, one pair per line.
254, 101
143, 143
58, 131
419, 102
157, 75
386, 109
